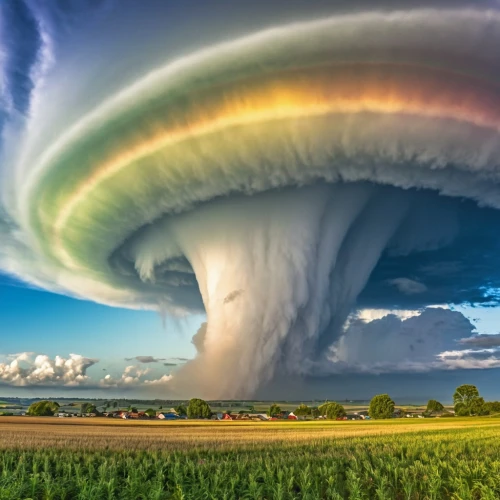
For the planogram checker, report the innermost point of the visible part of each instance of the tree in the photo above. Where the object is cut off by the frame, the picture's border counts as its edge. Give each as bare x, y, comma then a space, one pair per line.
274, 410
434, 406
302, 411
115, 404
381, 406
181, 410
197, 408
43, 409
150, 413
332, 410
251, 408
491, 407
467, 401
315, 413
88, 408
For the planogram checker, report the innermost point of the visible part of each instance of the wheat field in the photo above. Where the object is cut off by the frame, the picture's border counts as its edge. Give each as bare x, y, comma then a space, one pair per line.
50, 458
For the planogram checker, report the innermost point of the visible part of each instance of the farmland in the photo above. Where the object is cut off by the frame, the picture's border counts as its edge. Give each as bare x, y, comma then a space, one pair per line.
102, 458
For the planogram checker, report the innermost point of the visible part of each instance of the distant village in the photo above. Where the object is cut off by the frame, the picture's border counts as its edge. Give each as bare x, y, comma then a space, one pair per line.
467, 402
172, 414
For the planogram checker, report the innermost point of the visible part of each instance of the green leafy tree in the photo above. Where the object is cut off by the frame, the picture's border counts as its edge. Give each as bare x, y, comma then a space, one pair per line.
274, 410
381, 406
43, 409
150, 413
467, 401
181, 410
491, 407
302, 411
88, 408
331, 410
251, 408
434, 406
197, 408
315, 413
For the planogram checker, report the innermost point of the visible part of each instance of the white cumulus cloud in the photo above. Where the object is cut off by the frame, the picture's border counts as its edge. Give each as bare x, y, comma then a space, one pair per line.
28, 369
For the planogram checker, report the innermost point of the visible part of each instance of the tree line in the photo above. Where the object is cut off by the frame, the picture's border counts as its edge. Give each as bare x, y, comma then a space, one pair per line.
466, 399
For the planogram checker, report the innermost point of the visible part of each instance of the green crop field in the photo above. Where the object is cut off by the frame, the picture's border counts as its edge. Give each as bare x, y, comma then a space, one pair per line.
50, 458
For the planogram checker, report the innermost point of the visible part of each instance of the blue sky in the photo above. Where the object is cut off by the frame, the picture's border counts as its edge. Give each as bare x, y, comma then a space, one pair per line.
34, 320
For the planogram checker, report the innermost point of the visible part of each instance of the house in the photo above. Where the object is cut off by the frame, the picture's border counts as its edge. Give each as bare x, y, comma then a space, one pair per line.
231, 416
168, 416
260, 416
292, 416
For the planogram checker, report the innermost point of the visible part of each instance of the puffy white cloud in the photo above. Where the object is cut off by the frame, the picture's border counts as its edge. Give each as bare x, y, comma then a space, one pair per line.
469, 359
367, 315
28, 369
132, 377
165, 379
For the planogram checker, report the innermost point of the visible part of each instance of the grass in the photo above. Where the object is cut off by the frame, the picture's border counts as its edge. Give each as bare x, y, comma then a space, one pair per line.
51, 458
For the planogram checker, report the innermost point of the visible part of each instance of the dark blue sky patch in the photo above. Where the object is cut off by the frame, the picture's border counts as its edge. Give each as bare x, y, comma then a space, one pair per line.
21, 41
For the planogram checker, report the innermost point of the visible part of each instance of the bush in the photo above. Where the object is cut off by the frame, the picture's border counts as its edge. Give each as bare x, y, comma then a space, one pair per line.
381, 406
150, 413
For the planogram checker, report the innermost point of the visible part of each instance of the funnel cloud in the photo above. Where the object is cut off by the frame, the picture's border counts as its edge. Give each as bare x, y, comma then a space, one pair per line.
281, 183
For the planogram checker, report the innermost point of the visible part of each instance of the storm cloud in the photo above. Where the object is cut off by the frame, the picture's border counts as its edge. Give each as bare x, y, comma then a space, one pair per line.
281, 182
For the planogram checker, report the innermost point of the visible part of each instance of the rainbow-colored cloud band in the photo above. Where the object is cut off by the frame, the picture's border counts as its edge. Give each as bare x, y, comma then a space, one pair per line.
246, 120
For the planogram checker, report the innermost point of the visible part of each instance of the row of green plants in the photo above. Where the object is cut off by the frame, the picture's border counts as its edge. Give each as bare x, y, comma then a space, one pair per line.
460, 464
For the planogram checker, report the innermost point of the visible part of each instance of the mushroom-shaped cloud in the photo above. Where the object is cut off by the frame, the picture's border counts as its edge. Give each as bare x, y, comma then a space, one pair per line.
278, 180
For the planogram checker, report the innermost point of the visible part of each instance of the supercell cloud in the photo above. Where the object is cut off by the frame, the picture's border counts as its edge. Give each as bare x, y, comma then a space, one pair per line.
280, 182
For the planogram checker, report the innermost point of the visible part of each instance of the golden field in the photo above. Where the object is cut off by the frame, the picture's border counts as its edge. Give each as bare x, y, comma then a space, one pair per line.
116, 434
